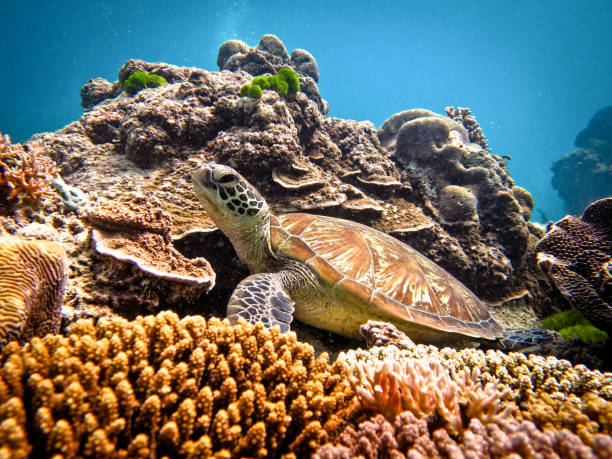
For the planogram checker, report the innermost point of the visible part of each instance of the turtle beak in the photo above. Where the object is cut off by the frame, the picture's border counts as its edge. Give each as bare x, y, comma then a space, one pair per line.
202, 179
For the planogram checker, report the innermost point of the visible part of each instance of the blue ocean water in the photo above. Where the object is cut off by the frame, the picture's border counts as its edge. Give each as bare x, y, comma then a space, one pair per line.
533, 73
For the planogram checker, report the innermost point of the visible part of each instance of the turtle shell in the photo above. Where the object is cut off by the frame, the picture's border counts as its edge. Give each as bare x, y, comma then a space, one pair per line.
375, 270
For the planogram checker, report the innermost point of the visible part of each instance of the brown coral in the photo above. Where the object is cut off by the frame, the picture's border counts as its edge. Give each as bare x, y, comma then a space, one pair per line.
25, 172
160, 386
576, 254
32, 282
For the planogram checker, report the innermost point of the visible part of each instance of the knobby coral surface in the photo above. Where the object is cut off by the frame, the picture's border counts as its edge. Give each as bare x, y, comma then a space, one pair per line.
160, 386
25, 173
32, 281
577, 255
464, 116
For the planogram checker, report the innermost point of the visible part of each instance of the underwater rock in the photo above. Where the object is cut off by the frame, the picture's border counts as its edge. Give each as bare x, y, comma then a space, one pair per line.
585, 175
135, 230
577, 255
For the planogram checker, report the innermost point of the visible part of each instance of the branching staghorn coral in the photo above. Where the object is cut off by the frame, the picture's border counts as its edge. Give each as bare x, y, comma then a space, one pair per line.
426, 388
159, 386
24, 173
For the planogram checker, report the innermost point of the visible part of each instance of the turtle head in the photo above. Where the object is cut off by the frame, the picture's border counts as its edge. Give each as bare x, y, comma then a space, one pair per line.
238, 210
227, 196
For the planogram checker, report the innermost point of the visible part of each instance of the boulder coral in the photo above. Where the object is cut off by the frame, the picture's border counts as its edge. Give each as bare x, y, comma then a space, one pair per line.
32, 282
576, 253
469, 190
160, 386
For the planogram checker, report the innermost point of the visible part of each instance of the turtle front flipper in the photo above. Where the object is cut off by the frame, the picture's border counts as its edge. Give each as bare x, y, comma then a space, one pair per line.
513, 339
261, 298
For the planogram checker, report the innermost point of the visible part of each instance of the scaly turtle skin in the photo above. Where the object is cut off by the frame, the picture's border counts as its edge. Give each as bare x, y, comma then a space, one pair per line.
336, 274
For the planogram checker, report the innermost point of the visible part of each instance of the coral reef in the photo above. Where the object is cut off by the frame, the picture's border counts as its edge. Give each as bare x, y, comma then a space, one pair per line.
32, 281
300, 160
96, 90
551, 393
160, 386
25, 173
577, 255
585, 175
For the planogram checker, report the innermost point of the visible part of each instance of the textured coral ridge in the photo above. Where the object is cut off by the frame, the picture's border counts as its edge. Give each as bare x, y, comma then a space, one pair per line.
426, 402
577, 255
160, 386
32, 282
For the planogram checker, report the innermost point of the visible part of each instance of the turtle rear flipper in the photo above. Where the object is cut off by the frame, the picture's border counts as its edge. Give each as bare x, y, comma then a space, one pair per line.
261, 298
514, 339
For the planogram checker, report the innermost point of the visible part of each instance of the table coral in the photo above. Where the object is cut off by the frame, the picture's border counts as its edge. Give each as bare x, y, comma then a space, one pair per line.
576, 254
160, 386
32, 282
135, 230
25, 173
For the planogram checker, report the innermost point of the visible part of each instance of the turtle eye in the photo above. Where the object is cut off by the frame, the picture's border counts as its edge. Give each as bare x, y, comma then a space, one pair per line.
228, 178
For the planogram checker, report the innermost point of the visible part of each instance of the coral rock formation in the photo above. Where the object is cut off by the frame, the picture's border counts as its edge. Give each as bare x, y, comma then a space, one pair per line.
32, 281
585, 175
577, 255
160, 386
470, 191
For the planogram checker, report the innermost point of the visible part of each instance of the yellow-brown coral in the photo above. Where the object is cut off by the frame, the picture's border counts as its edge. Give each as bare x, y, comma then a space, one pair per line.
32, 282
160, 386
25, 173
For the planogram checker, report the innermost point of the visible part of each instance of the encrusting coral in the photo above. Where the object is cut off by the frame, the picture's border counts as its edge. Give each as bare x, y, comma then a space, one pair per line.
160, 386
32, 281
25, 173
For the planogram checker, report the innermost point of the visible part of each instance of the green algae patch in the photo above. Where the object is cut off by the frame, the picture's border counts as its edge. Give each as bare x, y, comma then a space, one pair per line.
141, 80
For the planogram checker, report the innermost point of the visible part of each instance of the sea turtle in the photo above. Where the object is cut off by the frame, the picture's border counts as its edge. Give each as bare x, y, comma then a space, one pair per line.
337, 274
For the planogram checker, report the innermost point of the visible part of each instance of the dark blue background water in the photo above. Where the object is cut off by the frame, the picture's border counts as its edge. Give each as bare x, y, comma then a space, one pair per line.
533, 72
